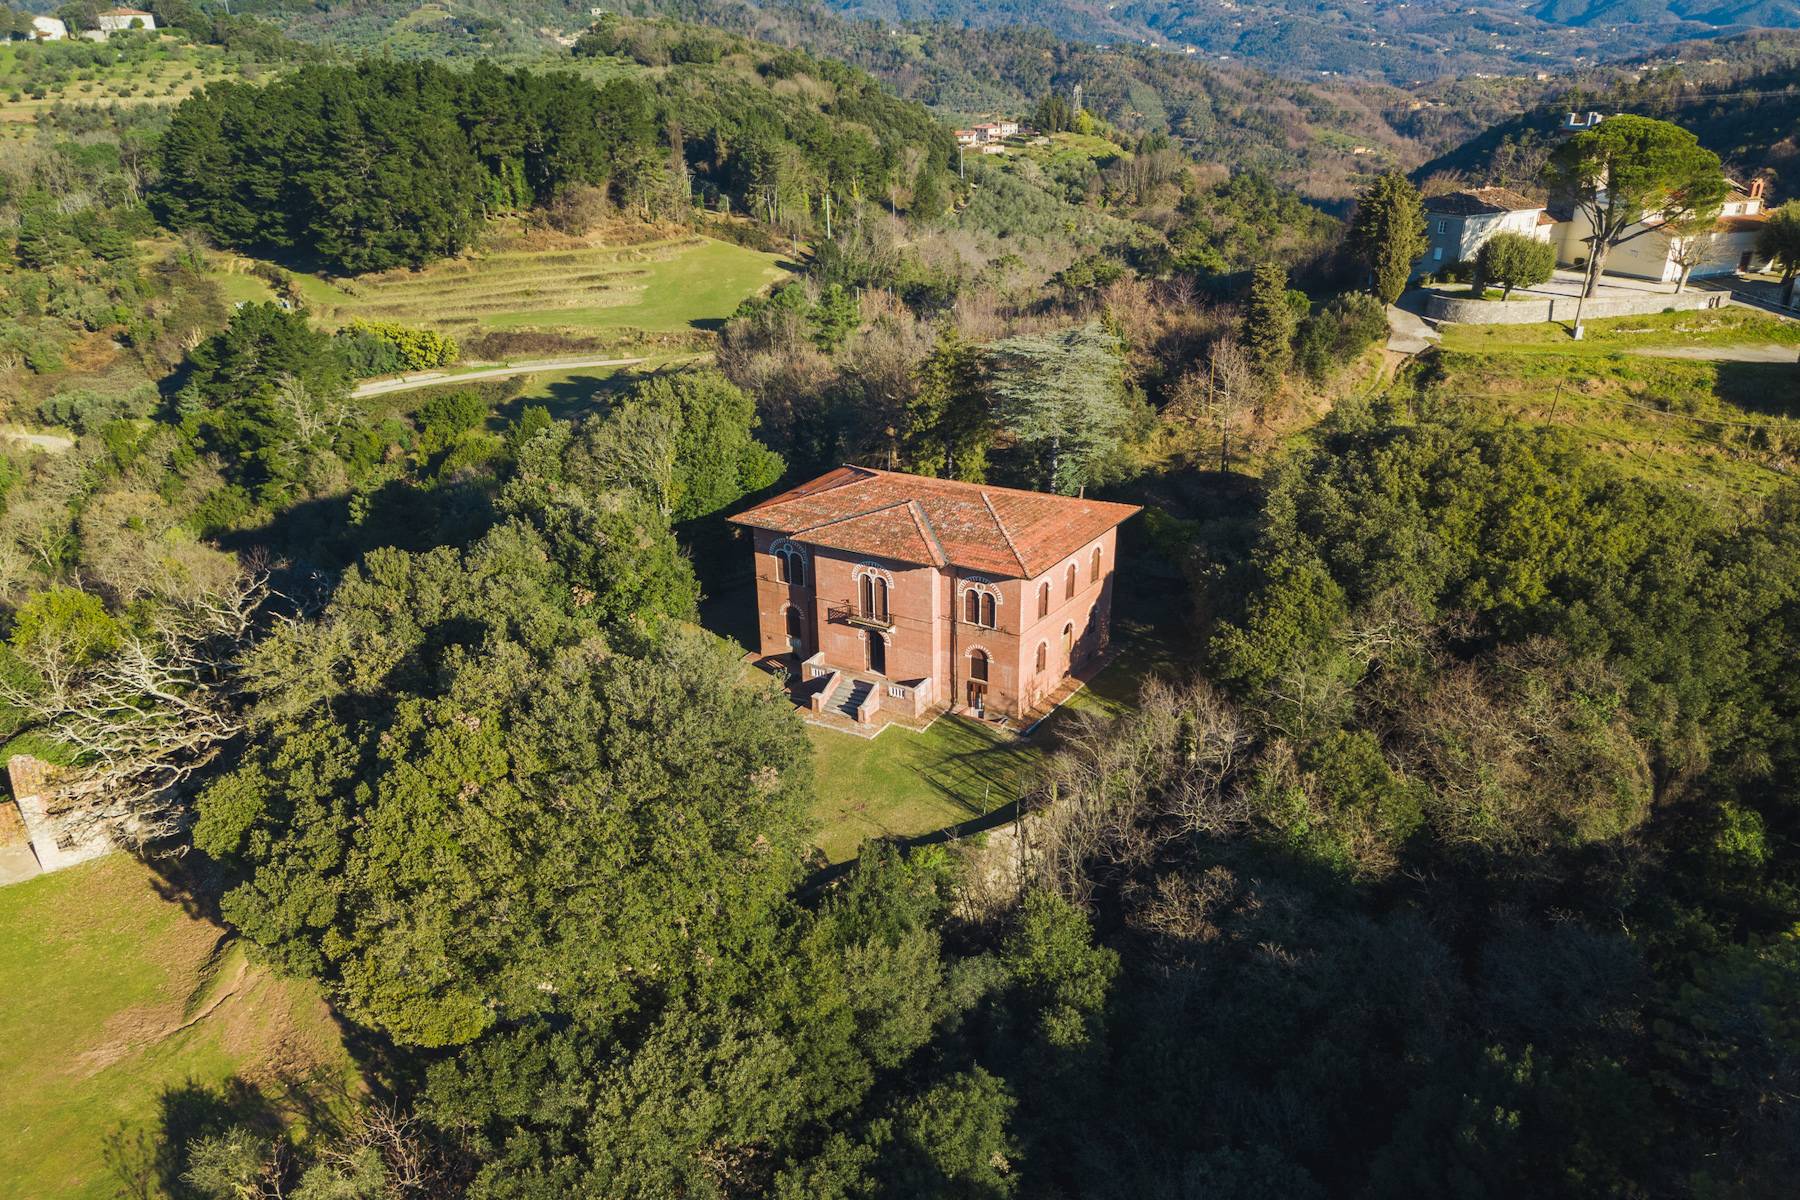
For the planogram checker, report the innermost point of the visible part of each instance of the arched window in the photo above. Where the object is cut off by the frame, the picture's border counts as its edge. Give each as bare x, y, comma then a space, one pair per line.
796, 624
1094, 567
790, 565
1069, 583
978, 665
1044, 598
866, 595
1043, 656
1068, 641
978, 607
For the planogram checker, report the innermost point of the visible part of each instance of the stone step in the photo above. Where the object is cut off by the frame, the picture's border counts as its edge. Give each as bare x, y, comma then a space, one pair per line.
851, 697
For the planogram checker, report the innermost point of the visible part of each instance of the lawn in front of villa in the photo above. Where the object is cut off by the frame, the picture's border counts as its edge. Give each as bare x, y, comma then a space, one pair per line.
903, 783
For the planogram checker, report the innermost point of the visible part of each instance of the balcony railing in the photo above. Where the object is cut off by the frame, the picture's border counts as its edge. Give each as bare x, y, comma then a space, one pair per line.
844, 614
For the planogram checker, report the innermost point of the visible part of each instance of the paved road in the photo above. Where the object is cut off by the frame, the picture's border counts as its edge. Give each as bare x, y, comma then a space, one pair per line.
55, 443
1407, 331
407, 383
1743, 354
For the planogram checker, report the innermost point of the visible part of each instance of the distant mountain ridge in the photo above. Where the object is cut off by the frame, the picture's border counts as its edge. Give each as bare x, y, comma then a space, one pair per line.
1778, 14
1401, 43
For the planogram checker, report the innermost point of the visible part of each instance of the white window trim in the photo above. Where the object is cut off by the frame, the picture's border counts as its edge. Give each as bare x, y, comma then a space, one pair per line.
982, 588
781, 546
869, 568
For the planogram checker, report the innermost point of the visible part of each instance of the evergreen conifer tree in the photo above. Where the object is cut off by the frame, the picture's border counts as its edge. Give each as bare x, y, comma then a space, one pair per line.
1269, 322
1387, 234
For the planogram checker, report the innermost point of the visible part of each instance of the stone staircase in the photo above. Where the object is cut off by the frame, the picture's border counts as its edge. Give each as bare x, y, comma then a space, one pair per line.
848, 697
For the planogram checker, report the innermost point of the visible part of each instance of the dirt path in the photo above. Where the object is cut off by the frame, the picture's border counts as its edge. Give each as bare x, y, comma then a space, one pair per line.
54, 443
1742, 354
407, 383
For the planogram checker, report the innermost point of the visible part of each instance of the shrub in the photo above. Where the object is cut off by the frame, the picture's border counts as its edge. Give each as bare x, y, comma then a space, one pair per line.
1339, 332
1513, 260
88, 411
382, 342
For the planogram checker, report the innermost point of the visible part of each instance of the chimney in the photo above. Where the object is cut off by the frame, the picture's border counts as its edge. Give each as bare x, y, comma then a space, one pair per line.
1756, 189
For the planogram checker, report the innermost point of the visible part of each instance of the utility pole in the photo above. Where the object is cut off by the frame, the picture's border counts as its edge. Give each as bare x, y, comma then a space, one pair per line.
1587, 280
828, 236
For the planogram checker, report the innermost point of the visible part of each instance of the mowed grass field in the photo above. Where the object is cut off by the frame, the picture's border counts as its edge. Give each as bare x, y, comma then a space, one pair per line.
127, 1024
903, 784
668, 285
1732, 325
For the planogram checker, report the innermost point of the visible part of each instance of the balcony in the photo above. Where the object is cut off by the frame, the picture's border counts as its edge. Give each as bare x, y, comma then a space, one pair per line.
844, 614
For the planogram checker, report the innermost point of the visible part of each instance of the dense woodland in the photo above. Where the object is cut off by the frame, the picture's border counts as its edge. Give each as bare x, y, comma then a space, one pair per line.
1457, 852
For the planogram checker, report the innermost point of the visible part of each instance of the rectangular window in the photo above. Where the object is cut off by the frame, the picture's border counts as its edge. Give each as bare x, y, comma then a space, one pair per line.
1437, 254
1443, 227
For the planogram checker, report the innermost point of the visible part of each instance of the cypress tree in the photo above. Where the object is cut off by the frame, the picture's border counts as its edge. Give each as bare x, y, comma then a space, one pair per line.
1387, 234
1269, 322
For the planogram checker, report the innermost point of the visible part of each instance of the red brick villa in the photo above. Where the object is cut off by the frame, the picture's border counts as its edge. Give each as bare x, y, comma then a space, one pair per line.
905, 594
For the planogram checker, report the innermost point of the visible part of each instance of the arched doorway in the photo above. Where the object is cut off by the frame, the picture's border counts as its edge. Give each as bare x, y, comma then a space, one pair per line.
796, 632
877, 653
978, 681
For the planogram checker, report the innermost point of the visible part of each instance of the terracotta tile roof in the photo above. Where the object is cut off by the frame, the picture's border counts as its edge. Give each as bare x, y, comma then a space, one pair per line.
1480, 200
1746, 223
1004, 532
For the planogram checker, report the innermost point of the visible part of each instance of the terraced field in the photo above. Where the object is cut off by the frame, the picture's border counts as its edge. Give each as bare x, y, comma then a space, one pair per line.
1726, 431
667, 285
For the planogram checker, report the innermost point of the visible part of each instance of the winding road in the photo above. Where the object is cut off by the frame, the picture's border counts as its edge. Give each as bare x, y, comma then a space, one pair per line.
407, 383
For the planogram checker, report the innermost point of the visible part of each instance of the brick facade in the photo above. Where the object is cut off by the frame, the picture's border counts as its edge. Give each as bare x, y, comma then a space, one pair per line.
927, 640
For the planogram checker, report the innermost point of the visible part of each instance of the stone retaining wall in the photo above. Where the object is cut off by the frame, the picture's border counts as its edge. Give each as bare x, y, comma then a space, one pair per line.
1440, 307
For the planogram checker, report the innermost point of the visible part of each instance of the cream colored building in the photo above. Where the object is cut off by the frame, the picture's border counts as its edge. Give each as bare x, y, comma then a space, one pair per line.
1650, 252
119, 20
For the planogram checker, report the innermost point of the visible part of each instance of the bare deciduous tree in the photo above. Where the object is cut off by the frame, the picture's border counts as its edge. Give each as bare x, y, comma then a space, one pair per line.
143, 718
1231, 391
1118, 788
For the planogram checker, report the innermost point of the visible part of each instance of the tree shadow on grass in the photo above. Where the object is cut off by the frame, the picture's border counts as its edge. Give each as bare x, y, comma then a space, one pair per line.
985, 775
1768, 389
149, 1162
582, 395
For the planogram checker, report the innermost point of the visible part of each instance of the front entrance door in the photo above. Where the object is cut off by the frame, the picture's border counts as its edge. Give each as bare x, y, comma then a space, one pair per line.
877, 653
978, 697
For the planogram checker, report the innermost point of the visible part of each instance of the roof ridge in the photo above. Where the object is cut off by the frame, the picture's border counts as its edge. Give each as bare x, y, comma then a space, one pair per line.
982, 488
859, 475
867, 512
1005, 533
928, 531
